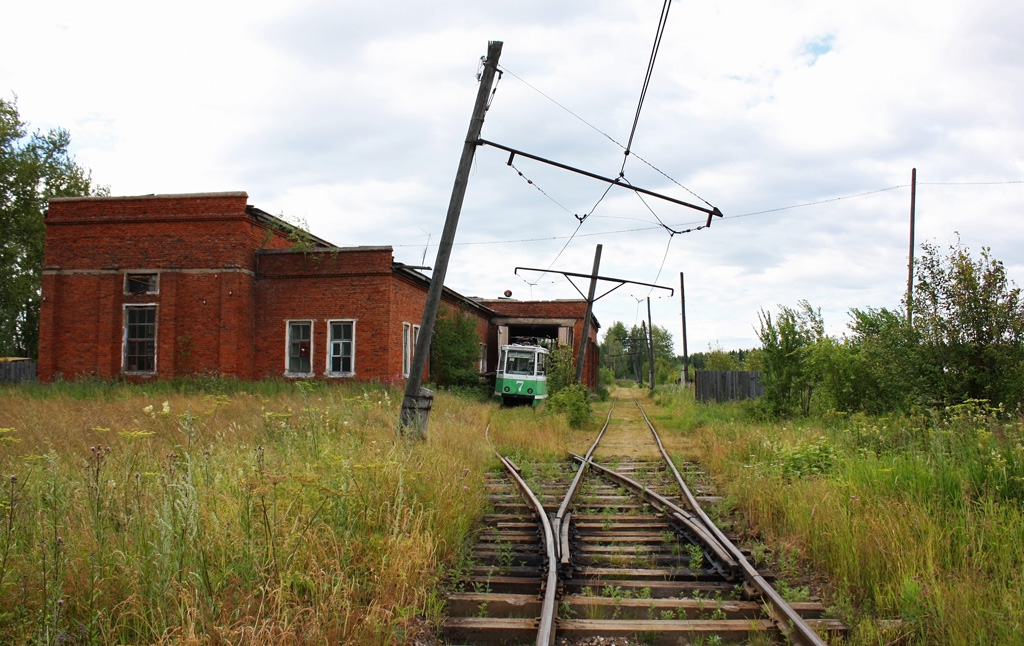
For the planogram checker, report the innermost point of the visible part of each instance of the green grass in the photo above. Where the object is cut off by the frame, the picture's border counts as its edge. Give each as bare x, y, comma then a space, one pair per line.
913, 518
214, 511
254, 513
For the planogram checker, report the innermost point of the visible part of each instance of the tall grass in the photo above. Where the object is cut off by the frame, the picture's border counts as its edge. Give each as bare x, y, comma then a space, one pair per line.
912, 518
238, 513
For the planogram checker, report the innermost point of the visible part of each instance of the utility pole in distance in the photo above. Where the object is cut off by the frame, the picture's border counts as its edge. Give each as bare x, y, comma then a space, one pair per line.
686, 355
416, 403
910, 265
650, 346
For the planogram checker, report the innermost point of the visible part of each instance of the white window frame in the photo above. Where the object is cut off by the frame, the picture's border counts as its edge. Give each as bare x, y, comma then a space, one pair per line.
148, 292
124, 337
288, 347
330, 349
481, 364
406, 350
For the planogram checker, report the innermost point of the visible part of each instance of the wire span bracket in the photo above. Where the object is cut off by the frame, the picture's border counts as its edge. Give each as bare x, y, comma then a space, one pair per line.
712, 212
570, 275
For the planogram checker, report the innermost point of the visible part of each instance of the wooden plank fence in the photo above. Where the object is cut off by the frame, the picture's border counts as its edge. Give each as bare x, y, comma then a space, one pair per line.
727, 385
12, 371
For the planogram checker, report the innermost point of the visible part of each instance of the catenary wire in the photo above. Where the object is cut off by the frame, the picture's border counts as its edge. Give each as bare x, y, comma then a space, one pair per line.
662, 20
604, 134
730, 217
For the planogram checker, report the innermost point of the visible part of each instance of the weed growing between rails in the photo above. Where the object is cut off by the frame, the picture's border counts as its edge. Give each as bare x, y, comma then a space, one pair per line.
914, 518
250, 517
529, 435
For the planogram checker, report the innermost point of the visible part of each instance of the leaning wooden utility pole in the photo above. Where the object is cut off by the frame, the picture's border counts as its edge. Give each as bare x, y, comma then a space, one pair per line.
589, 315
416, 403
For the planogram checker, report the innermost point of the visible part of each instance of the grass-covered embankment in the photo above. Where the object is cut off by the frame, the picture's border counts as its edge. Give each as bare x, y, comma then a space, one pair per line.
256, 514
912, 518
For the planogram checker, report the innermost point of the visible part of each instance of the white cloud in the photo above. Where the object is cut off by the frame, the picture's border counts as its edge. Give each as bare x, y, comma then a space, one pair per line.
350, 116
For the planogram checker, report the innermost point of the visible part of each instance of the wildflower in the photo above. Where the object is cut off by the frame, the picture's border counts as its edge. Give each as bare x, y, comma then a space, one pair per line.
148, 410
166, 409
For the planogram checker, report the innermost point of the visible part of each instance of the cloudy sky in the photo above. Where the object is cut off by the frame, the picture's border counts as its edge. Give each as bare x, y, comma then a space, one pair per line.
801, 120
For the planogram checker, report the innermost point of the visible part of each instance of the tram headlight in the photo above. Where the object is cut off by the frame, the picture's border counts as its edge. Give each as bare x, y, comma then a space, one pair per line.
506, 389
529, 391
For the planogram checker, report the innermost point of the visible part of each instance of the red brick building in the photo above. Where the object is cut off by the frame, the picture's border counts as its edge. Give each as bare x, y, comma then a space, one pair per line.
161, 286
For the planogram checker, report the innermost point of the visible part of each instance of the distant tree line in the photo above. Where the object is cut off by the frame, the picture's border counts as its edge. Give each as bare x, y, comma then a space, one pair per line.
625, 354
963, 340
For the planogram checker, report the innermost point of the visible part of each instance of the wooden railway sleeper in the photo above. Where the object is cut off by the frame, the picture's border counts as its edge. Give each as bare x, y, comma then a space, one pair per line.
724, 562
786, 619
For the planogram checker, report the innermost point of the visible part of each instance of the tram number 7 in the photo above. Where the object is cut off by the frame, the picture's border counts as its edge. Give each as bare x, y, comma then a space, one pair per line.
520, 385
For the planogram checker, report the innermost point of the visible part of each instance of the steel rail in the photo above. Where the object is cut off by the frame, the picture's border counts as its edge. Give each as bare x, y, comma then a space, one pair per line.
726, 564
786, 619
546, 626
562, 516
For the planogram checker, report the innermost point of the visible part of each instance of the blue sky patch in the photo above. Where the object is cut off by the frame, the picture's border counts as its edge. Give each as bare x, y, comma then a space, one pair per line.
818, 48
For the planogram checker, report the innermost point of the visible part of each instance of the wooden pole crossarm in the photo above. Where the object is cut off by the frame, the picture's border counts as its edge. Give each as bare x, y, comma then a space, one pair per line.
712, 211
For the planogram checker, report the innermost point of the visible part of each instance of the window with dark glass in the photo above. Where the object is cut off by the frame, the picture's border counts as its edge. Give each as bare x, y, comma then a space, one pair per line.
342, 347
300, 347
140, 339
141, 283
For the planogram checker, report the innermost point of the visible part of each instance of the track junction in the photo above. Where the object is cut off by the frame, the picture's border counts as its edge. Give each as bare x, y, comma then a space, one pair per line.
613, 547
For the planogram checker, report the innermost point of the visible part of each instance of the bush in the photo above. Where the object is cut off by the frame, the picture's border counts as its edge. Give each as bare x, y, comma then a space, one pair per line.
572, 401
454, 349
561, 369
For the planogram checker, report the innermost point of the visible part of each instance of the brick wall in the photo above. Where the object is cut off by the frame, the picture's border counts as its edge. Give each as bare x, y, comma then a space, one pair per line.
202, 247
229, 282
350, 284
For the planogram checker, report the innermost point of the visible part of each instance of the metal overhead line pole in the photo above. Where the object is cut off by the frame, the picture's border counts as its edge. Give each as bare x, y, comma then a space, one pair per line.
588, 316
415, 410
592, 299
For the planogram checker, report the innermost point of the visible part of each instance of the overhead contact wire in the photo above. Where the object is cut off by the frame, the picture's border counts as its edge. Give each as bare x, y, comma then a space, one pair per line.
663, 19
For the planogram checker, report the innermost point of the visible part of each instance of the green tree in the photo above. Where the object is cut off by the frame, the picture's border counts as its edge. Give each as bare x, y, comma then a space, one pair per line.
33, 168
787, 343
890, 371
613, 351
566, 397
719, 359
636, 349
454, 349
970, 318
561, 369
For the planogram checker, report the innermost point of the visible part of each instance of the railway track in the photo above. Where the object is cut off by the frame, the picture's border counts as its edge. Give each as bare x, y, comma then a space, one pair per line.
614, 545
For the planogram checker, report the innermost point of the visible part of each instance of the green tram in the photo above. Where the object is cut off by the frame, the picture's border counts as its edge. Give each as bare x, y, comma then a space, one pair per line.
522, 374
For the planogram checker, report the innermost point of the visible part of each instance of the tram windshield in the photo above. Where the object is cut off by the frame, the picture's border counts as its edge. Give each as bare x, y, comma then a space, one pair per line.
522, 362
